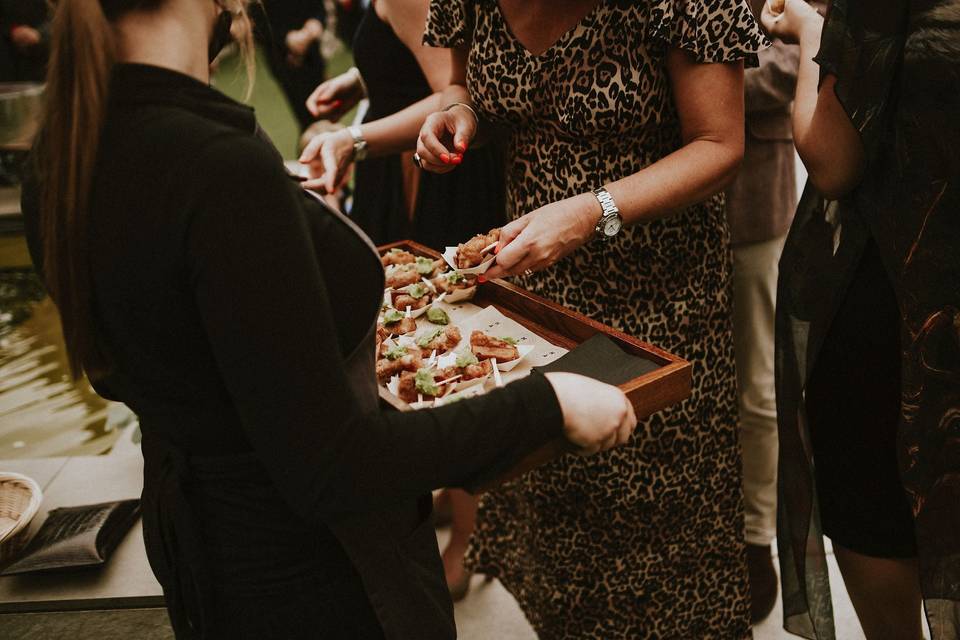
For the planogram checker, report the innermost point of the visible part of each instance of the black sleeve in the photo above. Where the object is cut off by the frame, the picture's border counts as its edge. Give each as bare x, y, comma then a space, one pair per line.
264, 303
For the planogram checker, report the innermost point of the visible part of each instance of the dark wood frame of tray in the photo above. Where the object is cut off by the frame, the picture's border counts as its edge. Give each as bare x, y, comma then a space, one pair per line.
661, 388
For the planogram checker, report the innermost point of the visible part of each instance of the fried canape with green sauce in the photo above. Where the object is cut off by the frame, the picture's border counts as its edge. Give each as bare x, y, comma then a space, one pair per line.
424, 383
486, 347
441, 340
397, 256
453, 281
397, 323
471, 253
402, 275
416, 296
396, 360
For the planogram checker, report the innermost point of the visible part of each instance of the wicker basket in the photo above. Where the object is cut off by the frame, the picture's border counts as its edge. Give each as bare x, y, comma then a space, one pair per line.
20, 499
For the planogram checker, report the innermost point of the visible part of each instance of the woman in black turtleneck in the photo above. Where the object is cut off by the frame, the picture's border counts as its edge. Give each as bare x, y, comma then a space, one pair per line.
233, 312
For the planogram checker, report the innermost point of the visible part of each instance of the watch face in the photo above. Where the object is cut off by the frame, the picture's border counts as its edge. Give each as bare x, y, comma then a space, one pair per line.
612, 226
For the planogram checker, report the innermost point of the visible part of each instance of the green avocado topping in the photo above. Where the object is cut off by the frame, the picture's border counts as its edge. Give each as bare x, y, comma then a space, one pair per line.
424, 266
416, 291
455, 277
426, 384
466, 359
436, 315
392, 316
395, 352
427, 338
512, 341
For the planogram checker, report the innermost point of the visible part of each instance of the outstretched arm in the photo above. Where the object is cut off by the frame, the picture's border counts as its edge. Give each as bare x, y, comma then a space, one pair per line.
709, 103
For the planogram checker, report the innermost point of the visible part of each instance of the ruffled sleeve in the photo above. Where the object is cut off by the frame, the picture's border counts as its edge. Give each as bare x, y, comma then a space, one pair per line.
862, 45
710, 30
449, 23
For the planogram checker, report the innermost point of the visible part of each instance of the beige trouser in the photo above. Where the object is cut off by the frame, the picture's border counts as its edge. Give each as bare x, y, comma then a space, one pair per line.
754, 299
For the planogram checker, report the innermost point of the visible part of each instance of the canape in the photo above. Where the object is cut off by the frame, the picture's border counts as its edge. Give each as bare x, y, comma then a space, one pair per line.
424, 384
396, 360
486, 347
398, 323
439, 340
397, 256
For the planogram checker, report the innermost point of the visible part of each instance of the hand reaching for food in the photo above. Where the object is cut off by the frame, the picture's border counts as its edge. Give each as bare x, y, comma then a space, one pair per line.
542, 237
596, 416
328, 157
445, 137
336, 96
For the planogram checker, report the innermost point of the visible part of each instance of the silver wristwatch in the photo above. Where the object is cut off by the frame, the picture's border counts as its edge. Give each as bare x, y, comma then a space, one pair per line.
611, 222
359, 143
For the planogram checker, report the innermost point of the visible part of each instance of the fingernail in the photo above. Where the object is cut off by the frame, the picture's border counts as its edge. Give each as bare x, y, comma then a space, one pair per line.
481, 279
496, 250
336, 103
462, 147
456, 159
444, 158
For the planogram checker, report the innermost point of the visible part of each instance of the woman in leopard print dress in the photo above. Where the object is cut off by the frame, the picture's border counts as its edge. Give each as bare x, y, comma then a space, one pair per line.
645, 541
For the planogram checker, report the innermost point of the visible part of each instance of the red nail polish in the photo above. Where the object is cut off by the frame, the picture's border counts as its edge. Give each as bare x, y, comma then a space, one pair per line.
456, 159
462, 147
336, 103
481, 279
496, 250
444, 158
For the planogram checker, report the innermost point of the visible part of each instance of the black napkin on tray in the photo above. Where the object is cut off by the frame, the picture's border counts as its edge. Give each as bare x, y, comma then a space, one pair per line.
601, 359
74, 537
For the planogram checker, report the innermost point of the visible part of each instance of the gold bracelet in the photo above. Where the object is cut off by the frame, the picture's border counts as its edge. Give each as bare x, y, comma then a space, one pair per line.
468, 107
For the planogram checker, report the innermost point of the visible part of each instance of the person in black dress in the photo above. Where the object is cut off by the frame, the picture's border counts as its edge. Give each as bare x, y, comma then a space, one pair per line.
402, 80
235, 314
289, 32
868, 319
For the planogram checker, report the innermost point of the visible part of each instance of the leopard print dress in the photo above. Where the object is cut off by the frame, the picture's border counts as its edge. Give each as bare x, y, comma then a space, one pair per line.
645, 541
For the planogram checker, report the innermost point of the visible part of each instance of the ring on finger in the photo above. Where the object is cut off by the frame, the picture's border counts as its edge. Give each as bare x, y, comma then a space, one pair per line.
417, 161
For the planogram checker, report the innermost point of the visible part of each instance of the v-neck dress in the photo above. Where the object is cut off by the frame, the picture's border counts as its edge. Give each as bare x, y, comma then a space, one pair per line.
645, 541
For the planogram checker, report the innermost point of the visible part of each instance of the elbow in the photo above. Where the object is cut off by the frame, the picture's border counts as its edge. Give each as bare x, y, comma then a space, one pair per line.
730, 164
831, 178
834, 170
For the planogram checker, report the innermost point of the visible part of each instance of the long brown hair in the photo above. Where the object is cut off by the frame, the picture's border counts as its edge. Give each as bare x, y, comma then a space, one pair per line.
83, 53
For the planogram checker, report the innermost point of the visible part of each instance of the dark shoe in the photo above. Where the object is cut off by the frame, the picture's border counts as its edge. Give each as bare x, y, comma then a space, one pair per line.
763, 582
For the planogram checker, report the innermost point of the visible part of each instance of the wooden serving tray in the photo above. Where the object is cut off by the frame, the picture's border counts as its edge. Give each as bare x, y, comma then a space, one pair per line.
663, 387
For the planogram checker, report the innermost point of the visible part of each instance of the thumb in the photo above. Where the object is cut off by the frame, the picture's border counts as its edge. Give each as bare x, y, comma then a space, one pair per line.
509, 232
465, 128
309, 152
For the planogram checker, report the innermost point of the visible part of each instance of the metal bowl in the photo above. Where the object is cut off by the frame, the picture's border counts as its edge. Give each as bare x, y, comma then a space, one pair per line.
21, 106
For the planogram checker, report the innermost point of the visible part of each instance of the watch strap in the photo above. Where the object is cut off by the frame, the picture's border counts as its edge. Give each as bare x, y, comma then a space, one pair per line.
359, 143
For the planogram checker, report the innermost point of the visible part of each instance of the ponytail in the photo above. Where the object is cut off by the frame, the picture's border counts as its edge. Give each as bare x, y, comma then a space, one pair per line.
82, 56
83, 53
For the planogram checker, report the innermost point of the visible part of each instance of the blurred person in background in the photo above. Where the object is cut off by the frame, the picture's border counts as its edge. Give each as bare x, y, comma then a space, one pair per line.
290, 33
868, 319
760, 206
25, 28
